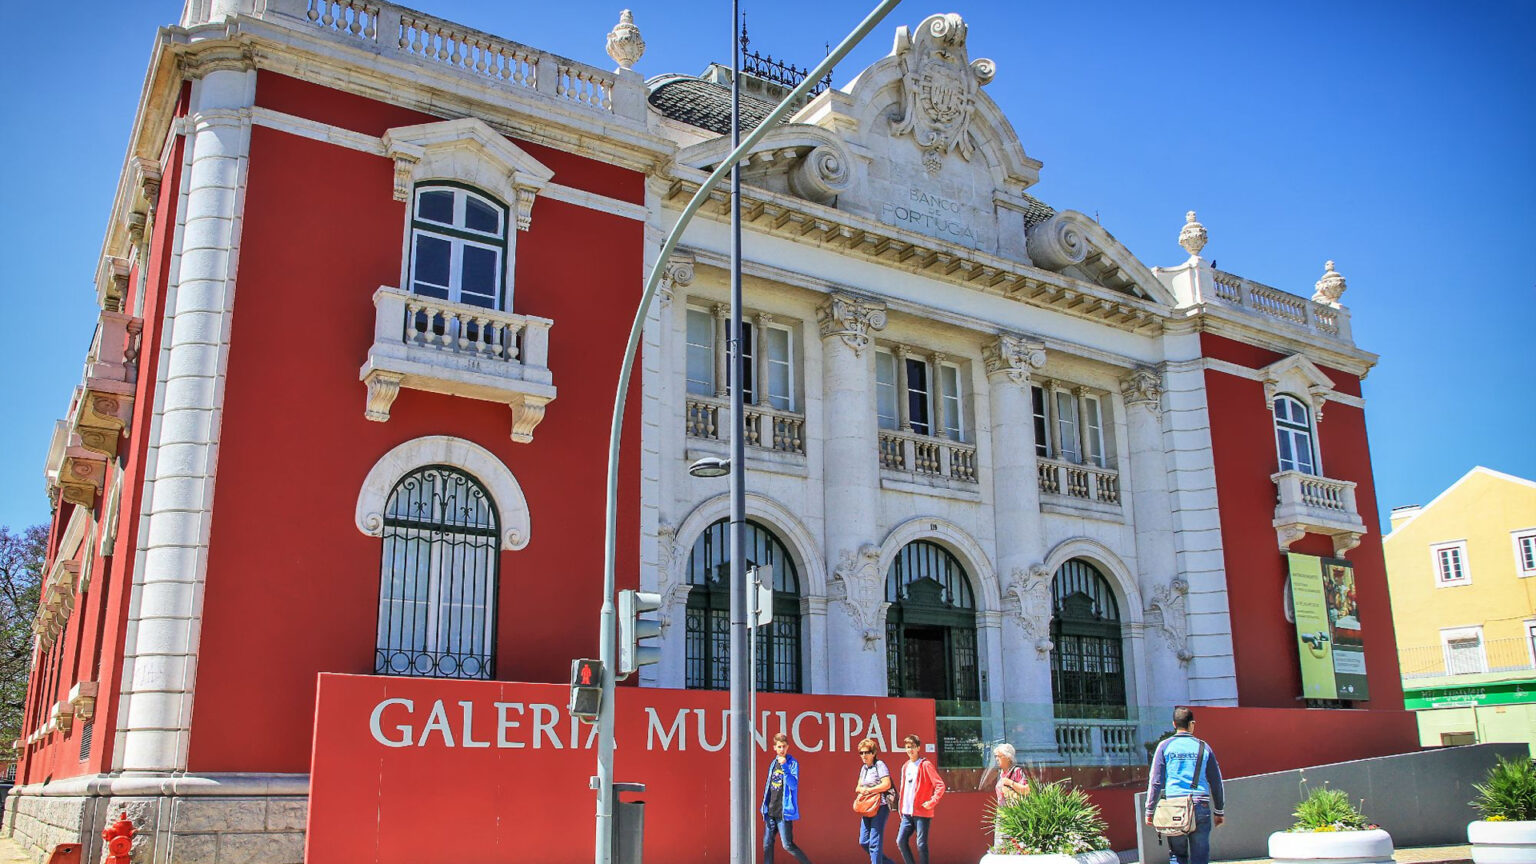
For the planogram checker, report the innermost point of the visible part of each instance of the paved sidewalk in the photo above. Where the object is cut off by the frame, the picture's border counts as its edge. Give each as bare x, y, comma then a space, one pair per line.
1417, 855
10, 854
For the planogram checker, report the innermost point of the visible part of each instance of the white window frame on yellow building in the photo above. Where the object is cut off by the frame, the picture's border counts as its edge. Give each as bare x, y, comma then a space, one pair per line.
1463, 634
1524, 541
1460, 547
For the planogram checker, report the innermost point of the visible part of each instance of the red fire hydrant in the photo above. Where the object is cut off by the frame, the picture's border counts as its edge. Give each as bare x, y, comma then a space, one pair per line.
119, 841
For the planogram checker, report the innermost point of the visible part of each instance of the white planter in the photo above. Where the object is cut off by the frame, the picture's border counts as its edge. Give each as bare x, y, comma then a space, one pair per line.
1103, 856
1502, 842
1333, 847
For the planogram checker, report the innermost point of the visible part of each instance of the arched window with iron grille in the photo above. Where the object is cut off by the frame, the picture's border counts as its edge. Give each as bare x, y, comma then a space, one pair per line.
709, 603
438, 577
930, 630
1087, 663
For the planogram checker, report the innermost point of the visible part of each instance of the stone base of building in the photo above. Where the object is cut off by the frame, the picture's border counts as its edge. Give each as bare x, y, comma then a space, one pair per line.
185, 819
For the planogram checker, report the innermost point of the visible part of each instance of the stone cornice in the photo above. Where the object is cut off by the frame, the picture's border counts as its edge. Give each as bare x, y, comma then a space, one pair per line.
805, 222
1277, 336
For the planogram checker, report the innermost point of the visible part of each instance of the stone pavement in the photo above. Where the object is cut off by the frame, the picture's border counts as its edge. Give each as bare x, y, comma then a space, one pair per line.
10, 854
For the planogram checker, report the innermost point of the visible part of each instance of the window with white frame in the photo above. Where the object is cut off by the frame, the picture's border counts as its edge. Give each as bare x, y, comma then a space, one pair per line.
458, 246
1069, 425
767, 359
1451, 566
1463, 649
919, 394
1525, 551
1293, 435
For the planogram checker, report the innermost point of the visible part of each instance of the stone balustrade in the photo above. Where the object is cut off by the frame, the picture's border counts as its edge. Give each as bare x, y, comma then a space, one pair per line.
1086, 482
396, 31
1309, 504
763, 427
427, 344
927, 455
1098, 741
1261, 299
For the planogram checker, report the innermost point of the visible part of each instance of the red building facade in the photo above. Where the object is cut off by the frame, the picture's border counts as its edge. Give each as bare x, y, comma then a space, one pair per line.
364, 299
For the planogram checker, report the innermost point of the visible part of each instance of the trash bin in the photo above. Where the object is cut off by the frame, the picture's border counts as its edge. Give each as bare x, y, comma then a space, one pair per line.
628, 825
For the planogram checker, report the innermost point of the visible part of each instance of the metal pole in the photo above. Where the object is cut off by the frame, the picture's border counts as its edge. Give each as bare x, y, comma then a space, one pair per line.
741, 673
607, 648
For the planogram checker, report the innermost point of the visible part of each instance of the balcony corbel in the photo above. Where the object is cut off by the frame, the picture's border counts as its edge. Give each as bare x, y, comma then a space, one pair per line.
62, 717
1308, 504
82, 697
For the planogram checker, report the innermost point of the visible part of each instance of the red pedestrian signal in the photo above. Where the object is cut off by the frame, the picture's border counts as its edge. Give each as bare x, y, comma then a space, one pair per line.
586, 689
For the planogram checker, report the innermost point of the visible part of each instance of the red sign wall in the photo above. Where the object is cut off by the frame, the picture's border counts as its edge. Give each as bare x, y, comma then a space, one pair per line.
416, 771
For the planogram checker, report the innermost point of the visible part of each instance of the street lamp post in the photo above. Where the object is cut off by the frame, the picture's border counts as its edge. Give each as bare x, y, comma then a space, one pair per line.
741, 810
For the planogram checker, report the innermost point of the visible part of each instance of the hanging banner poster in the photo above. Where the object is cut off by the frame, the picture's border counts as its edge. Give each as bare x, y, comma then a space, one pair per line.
1328, 636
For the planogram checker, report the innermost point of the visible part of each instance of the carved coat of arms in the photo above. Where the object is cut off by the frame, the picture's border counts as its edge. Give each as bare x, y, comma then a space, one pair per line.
939, 88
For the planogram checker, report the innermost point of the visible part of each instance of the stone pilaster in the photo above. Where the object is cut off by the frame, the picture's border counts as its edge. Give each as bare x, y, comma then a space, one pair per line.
851, 467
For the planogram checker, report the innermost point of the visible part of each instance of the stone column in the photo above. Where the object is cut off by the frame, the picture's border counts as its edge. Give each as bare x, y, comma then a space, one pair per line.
760, 355
722, 352
851, 490
1025, 676
903, 398
166, 605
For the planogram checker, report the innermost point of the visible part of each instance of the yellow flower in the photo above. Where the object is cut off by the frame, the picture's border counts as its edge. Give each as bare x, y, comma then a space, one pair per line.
1497, 818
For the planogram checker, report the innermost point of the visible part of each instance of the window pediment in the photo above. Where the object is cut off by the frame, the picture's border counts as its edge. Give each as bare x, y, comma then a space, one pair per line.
1300, 377
471, 152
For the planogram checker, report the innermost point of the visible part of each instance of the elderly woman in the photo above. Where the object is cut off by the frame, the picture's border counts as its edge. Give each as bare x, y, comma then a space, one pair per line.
1011, 780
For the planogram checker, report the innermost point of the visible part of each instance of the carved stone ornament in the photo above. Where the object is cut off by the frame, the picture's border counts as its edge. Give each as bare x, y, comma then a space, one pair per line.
1013, 356
1143, 386
1329, 288
1167, 611
527, 414
1058, 243
856, 583
383, 387
669, 582
1030, 592
821, 175
678, 273
406, 158
1192, 236
1345, 541
939, 87
624, 43
850, 319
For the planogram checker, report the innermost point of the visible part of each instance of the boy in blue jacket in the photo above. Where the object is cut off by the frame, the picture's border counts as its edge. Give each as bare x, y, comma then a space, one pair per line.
781, 801
1185, 765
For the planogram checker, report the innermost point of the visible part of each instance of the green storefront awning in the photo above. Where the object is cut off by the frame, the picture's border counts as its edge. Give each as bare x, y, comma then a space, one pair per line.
1492, 693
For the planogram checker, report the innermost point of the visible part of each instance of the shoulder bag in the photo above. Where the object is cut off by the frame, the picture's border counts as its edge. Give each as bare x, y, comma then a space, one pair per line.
1175, 817
866, 805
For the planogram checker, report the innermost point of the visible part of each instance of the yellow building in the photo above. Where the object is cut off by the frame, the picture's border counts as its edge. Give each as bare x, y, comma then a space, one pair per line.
1462, 572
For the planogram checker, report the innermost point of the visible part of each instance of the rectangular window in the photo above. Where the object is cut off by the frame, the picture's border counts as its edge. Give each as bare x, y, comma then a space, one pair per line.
748, 365
1525, 552
1042, 427
1464, 654
949, 401
701, 353
885, 389
1451, 566
917, 397
1066, 426
1095, 430
775, 346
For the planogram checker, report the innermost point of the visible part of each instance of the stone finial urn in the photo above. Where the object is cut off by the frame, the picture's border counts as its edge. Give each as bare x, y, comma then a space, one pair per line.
1330, 288
624, 43
1193, 235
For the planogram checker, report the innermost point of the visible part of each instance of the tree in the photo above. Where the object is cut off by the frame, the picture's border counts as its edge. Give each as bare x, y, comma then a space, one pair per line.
21, 577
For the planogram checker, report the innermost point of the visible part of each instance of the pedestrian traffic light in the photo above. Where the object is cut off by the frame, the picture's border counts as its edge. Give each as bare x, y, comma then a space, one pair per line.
586, 689
633, 628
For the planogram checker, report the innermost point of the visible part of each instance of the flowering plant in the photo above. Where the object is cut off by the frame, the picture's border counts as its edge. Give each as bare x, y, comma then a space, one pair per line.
1052, 819
1329, 810
1509, 793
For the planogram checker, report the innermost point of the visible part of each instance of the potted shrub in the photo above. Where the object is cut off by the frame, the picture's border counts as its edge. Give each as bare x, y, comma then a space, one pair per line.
1330, 827
1053, 824
1507, 832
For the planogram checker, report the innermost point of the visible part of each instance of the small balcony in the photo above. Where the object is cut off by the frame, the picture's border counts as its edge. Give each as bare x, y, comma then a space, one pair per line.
1309, 504
436, 346
927, 456
104, 404
762, 427
1107, 742
1063, 479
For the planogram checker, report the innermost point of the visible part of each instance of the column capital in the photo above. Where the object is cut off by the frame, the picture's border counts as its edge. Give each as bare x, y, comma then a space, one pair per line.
205, 58
678, 273
1013, 356
850, 318
1143, 386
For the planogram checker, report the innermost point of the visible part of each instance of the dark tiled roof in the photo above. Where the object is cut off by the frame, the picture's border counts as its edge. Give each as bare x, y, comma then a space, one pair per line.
708, 106
1037, 211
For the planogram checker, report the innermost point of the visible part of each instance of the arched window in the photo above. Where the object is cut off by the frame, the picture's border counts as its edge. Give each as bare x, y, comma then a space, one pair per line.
458, 245
1087, 664
930, 630
709, 603
1293, 436
437, 584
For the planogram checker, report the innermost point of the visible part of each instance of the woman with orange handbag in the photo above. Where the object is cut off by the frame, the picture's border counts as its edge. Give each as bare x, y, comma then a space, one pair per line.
872, 801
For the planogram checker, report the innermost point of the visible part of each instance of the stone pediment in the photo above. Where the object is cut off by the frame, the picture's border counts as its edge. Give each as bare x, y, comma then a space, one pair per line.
1074, 245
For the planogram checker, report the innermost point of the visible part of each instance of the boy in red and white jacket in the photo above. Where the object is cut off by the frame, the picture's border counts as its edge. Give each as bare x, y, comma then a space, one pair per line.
921, 789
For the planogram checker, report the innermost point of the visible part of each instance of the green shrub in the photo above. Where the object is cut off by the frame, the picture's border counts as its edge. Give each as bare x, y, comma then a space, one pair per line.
1509, 793
1052, 819
1328, 810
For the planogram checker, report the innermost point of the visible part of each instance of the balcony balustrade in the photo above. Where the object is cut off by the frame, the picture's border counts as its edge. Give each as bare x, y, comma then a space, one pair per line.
1099, 741
763, 427
927, 456
1309, 504
440, 347
1084, 482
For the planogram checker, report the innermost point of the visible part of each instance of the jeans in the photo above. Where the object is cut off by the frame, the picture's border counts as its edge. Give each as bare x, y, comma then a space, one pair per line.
872, 835
913, 825
786, 831
1193, 848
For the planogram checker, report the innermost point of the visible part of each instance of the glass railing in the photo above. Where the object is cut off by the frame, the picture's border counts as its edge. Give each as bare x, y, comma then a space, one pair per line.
1092, 746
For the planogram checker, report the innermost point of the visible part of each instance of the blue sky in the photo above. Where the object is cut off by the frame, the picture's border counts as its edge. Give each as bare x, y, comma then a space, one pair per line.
1397, 138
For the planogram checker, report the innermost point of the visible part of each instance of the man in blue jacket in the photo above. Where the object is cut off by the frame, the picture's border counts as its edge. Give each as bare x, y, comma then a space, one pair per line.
1185, 765
781, 801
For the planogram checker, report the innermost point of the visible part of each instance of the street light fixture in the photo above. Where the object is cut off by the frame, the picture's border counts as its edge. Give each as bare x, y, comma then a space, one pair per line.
710, 466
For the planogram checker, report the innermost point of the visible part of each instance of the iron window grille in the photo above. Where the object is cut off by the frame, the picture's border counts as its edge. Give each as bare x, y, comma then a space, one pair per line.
438, 578
1087, 660
930, 626
708, 641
